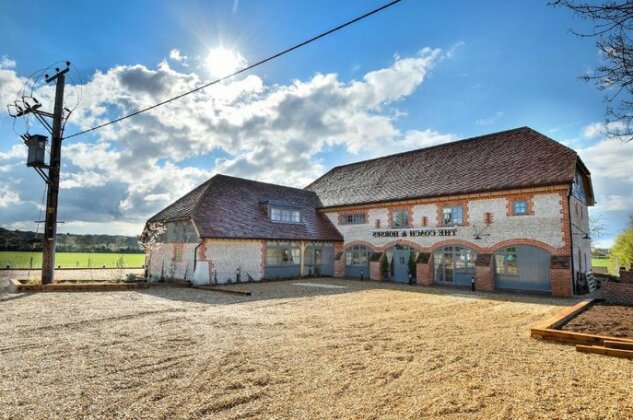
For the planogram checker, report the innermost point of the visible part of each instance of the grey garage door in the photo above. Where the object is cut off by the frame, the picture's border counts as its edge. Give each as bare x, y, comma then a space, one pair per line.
523, 268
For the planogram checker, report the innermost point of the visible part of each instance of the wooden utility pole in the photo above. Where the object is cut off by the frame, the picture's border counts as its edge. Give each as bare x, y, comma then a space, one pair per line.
50, 224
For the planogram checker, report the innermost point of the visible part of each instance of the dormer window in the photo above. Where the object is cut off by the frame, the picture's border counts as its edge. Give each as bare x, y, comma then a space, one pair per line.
284, 214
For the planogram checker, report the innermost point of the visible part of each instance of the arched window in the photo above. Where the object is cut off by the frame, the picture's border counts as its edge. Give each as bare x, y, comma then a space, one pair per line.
357, 256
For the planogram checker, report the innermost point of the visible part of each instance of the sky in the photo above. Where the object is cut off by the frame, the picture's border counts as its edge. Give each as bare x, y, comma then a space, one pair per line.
417, 74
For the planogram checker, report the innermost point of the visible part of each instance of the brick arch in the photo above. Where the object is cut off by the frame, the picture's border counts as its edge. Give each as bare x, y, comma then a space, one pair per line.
456, 242
522, 241
369, 245
413, 245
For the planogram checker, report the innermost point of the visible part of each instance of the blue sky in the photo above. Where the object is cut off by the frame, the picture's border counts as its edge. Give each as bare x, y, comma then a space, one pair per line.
420, 73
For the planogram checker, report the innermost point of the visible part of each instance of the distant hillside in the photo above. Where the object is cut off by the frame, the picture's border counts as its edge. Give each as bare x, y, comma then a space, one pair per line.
17, 240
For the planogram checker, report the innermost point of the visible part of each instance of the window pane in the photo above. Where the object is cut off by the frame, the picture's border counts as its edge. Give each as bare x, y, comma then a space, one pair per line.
446, 216
520, 207
357, 256
400, 219
506, 262
458, 215
353, 218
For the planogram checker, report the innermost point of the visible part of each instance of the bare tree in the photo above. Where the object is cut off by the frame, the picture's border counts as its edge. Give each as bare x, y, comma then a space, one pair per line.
613, 25
596, 227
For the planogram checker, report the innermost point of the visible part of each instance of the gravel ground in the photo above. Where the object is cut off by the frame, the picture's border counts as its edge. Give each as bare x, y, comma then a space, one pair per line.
611, 320
363, 351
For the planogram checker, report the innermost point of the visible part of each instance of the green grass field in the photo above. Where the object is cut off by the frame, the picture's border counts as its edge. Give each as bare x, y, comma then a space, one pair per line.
70, 260
601, 262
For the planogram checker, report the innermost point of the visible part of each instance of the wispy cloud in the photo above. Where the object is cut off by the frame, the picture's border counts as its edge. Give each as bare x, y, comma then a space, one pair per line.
6, 62
490, 120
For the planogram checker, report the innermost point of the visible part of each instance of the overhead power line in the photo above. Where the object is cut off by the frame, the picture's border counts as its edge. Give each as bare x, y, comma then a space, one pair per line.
252, 66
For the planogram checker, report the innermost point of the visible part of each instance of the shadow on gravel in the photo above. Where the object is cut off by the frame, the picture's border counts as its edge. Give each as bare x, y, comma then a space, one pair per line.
314, 287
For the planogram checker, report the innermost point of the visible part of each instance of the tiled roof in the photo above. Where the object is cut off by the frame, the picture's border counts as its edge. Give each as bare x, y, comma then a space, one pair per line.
181, 208
510, 159
228, 207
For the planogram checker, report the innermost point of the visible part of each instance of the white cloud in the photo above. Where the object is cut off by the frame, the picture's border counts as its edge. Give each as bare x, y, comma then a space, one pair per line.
600, 129
611, 165
16, 151
8, 197
6, 62
243, 127
452, 51
176, 55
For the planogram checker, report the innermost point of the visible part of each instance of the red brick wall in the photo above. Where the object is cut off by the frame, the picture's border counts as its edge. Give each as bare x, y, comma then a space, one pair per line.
484, 278
618, 293
561, 282
374, 270
424, 269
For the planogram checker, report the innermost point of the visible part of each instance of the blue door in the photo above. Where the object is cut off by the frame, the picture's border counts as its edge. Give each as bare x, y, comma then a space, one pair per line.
327, 269
523, 268
400, 265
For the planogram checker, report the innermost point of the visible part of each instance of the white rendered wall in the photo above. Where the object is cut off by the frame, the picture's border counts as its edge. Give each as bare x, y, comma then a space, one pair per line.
544, 226
226, 256
162, 260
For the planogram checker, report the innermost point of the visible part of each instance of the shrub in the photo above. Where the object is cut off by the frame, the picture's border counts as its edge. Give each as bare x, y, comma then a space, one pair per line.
385, 264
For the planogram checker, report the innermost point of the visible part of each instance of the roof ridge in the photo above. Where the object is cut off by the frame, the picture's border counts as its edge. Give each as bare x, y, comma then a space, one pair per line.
261, 182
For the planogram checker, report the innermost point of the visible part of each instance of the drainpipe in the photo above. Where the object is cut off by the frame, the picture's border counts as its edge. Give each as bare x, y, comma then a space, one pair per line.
195, 255
571, 241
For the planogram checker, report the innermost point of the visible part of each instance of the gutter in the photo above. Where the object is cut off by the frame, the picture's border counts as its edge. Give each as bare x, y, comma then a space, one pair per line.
571, 241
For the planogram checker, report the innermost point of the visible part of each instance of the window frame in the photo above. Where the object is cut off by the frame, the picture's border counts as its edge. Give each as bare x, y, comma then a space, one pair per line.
353, 218
514, 208
285, 214
401, 213
502, 260
451, 212
361, 259
285, 254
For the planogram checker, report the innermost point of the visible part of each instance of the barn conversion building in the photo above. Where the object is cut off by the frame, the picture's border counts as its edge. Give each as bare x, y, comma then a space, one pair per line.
506, 210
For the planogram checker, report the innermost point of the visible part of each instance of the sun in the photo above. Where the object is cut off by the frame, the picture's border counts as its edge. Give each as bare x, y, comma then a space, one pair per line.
222, 61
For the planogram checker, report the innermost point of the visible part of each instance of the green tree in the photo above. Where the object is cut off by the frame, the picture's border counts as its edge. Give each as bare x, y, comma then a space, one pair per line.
622, 251
411, 263
385, 264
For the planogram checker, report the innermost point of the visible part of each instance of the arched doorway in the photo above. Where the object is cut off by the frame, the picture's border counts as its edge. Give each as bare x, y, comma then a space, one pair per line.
523, 267
398, 258
454, 265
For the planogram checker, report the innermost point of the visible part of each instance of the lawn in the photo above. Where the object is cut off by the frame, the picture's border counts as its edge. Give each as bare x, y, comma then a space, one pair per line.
601, 262
70, 260
367, 350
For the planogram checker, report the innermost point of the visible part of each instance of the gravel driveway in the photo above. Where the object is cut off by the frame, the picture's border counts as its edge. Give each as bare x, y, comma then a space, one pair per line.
363, 350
